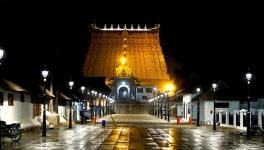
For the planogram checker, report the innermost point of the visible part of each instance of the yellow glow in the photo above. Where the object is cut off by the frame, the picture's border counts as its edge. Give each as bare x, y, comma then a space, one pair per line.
123, 60
169, 87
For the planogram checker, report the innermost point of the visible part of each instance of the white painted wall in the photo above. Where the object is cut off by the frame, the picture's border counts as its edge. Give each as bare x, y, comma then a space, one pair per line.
208, 107
188, 105
62, 112
180, 109
20, 112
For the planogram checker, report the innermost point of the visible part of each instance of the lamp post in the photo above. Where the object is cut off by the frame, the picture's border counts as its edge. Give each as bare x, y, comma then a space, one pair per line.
168, 106
170, 88
165, 105
154, 95
92, 104
82, 115
71, 83
103, 109
161, 108
2, 52
158, 106
154, 106
198, 106
95, 104
214, 85
99, 105
44, 73
248, 77
83, 90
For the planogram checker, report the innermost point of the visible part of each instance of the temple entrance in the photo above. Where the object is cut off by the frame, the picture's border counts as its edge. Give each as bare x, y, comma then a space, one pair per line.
123, 94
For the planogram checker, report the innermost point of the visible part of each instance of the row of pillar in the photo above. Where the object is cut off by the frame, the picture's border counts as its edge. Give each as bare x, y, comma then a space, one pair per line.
161, 107
242, 114
99, 111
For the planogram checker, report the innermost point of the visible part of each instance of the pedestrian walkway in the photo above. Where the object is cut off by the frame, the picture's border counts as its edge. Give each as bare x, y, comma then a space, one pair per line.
95, 137
138, 132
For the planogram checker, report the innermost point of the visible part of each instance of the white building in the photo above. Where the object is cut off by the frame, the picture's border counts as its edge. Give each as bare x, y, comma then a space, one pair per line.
15, 105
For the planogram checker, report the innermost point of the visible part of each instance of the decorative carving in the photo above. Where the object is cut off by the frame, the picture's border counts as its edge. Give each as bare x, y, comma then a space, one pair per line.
123, 71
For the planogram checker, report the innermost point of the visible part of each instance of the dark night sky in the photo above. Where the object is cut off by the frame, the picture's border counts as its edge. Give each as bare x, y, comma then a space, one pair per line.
215, 40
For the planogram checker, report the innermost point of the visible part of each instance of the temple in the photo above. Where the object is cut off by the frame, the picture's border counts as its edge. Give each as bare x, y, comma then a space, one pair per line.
130, 57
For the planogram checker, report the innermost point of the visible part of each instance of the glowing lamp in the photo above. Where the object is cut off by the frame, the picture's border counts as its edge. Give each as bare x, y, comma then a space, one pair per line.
71, 83
45, 73
1, 53
248, 77
198, 90
123, 60
170, 87
82, 88
214, 85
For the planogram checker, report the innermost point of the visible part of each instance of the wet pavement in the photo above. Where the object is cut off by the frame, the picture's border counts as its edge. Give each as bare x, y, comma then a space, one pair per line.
137, 137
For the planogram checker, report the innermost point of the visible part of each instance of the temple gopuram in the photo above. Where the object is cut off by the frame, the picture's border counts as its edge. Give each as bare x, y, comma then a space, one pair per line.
130, 58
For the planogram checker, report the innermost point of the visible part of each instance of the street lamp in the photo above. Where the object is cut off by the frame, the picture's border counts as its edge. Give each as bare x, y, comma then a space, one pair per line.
214, 122
71, 83
198, 106
82, 89
1, 56
158, 106
45, 74
161, 108
248, 77
2, 52
168, 105
82, 115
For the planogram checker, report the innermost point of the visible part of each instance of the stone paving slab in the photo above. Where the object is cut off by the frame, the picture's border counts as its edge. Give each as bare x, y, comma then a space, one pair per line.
92, 137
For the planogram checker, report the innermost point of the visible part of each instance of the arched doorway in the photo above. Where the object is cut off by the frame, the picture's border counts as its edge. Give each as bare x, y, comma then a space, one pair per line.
123, 94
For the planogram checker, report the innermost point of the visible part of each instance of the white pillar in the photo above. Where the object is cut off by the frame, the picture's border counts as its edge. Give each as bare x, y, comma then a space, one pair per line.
220, 117
241, 119
260, 118
227, 118
234, 118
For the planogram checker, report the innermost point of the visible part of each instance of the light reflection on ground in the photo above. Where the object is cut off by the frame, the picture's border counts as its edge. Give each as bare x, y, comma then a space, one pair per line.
127, 136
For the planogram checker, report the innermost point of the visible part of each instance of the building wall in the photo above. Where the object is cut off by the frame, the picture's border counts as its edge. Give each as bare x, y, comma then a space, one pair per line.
207, 107
62, 111
187, 106
144, 93
19, 112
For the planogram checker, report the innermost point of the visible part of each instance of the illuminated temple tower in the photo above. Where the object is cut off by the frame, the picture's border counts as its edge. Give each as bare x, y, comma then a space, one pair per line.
130, 58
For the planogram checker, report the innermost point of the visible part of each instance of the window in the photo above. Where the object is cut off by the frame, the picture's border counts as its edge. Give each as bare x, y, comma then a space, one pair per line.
149, 90
140, 90
22, 97
10, 100
144, 97
1, 99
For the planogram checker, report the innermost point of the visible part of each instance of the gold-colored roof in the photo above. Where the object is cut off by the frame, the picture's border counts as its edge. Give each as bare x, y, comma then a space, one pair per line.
143, 53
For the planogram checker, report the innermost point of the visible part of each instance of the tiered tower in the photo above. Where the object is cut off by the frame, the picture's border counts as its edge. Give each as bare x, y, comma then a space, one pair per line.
138, 48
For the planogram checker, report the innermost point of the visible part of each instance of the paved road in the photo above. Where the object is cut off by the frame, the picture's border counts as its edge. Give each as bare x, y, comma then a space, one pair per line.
89, 137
